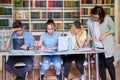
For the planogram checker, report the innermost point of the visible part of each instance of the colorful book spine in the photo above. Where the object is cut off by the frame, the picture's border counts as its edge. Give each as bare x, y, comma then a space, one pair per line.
2, 10
50, 3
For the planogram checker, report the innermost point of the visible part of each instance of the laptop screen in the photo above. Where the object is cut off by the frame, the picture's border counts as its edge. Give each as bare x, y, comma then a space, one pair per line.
63, 42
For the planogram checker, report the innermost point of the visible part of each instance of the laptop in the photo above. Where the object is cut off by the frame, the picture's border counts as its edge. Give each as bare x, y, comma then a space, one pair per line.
63, 42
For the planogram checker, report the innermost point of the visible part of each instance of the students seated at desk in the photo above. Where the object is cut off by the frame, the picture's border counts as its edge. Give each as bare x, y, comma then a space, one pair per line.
49, 41
80, 33
19, 40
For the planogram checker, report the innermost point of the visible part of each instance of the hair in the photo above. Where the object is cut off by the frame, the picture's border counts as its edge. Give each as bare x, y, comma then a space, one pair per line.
74, 26
98, 10
49, 22
17, 24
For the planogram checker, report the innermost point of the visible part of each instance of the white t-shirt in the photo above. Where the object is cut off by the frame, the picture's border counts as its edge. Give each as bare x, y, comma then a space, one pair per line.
97, 42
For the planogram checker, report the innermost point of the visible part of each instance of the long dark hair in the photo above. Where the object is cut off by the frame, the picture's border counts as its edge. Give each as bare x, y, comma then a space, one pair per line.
98, 10
51, 22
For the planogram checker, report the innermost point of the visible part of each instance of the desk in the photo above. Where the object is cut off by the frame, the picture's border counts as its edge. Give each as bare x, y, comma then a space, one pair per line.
28, 53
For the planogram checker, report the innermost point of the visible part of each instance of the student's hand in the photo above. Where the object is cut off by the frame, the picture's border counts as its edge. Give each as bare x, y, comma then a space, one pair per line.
102, 37
76, 47
87, 41
24, 47
53, 48
12, 31
42, 48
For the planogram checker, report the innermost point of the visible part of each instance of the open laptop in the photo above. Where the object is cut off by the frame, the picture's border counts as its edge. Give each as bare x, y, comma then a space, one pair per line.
63, 42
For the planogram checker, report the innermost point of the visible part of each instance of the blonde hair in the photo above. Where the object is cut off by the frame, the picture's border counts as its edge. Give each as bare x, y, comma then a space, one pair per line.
73, 29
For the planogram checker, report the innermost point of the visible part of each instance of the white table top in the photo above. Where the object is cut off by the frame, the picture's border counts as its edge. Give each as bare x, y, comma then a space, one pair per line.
38, 52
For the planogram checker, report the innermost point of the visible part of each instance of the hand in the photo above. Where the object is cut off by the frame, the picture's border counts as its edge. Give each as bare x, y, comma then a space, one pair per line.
52, 47
24, 47
42, 48
102, 37
12, 31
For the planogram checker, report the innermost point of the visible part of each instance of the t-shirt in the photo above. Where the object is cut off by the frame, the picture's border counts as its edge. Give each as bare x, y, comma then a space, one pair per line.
81, 37
49, 41
28, 39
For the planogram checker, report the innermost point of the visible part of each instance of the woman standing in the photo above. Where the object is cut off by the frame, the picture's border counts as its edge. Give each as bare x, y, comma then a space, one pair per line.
101, 30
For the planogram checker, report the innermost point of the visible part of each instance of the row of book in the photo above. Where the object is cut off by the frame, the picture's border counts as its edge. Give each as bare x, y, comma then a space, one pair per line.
5, 1
41, 26
97, 1
55, 3
4, 22
41, 15
51, 3
5, 11
87, 11
21, 3
22, 15
67, 3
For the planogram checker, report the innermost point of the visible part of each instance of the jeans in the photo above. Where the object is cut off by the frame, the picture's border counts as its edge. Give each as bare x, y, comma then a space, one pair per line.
12, 60
106, 63
79, 61
46, 60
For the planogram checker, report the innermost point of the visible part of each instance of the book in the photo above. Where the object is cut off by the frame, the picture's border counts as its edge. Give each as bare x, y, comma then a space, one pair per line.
42, 4
17, 43
25, 4
8, 11
4, 22
50, 3
2, 10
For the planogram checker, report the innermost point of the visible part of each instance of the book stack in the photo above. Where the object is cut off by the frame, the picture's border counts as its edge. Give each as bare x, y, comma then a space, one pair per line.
97, 1
84, 21
5, 1
4, 22
5, 11
22, 15
26, 26
38, 26
70, 3
71, 14
59, 26
18, 3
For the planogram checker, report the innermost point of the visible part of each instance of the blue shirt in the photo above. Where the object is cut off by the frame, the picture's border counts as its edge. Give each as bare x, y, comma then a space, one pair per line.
49, 41
28, 39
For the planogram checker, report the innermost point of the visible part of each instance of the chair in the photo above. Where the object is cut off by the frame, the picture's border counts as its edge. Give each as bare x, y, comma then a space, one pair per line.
51, 64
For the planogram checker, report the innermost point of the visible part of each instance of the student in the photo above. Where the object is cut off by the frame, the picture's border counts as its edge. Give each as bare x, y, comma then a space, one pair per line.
19, 40
49, 41
101, 30
80, 33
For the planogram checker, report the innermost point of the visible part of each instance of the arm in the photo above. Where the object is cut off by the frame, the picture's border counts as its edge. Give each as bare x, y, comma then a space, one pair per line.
53, 48
40, 45
80, 42
81, 39
102, 37
7, 42
111, 27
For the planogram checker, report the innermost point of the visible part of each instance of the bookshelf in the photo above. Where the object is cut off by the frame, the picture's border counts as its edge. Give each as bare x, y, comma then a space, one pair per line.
87, 5
35, 13
5, 14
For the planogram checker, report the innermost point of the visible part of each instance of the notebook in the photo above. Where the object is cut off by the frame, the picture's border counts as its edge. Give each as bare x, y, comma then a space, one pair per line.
63, 43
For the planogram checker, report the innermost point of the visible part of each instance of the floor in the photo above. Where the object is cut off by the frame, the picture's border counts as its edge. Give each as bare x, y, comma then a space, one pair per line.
74, 74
